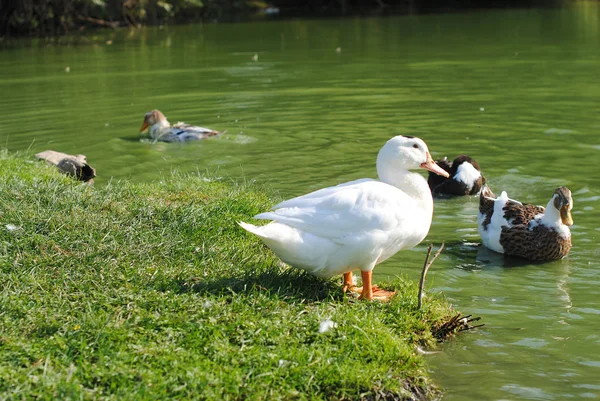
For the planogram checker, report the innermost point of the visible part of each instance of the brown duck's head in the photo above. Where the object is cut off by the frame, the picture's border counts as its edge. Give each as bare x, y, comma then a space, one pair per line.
151, 118
563, 202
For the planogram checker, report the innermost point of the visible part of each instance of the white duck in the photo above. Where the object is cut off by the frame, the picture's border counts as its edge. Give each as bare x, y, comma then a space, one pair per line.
161, 129
358, 224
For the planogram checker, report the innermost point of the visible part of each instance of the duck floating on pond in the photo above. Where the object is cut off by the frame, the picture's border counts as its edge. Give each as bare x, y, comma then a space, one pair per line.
162, 130
529, 231
358, 224
465, 178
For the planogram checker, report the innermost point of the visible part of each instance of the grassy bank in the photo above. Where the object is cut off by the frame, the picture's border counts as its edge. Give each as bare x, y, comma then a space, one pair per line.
151, 291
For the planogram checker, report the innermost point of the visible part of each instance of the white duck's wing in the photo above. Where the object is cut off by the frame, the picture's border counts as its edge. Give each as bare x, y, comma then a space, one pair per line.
346, 210
316, 196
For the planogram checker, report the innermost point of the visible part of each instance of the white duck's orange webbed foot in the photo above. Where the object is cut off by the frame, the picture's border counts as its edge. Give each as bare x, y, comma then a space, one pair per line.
348, 284
382, 295
354, 289
370, 292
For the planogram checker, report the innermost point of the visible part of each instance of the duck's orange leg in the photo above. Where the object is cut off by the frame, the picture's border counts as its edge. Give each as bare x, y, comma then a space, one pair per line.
348, 282
367, 289
373, 292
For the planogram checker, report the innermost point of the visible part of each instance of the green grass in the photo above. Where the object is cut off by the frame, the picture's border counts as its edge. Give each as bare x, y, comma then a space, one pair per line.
152, 291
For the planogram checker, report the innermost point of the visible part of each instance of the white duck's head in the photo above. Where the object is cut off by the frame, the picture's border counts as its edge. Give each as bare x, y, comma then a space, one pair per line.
403, 153
154, 117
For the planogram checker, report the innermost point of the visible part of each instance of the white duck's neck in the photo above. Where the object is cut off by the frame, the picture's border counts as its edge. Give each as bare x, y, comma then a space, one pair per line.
413, 184
158, 128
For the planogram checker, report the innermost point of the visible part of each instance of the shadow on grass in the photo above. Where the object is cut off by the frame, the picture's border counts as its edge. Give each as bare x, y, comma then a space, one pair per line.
291, 285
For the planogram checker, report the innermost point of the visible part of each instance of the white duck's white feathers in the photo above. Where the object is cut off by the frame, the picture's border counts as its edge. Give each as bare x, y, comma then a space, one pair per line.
358, 224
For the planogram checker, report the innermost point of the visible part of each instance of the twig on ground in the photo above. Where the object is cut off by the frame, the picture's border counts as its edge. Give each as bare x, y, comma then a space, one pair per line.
457, 322
426, 267
454, 325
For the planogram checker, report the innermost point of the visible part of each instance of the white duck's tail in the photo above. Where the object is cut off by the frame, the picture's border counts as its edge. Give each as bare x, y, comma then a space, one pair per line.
275, 234
297, 248
251, 228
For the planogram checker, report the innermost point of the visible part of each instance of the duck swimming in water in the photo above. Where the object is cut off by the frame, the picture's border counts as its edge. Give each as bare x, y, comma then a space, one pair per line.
529, 231
359, 224
465, 178
162, 130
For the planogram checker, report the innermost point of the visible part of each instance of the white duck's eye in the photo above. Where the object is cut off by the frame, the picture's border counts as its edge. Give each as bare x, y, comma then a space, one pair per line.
416, 146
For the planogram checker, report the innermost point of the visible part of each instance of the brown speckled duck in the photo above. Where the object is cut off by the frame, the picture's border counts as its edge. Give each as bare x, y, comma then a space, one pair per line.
465, 178
162, 130
529, 231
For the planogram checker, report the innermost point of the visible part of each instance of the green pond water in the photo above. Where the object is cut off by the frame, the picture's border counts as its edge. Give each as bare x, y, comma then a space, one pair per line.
517, 90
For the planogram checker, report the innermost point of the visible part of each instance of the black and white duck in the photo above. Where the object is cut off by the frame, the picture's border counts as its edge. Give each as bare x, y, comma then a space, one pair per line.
465, 177
529, 231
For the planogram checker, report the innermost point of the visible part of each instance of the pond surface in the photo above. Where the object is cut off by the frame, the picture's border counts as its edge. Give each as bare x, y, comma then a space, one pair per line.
517, 90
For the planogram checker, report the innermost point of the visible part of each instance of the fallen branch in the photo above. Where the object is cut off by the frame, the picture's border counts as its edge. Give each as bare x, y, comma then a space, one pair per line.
426, 267
112, 24
454, 325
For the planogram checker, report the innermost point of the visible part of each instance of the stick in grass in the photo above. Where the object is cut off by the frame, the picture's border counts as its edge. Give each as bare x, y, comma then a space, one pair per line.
426, 267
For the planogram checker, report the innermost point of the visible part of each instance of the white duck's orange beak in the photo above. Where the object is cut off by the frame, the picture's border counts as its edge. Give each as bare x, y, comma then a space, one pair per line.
144, 126
434, 168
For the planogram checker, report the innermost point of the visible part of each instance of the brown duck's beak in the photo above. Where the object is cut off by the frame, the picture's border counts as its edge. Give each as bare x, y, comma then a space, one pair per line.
565, 215
434, 168
144, 126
